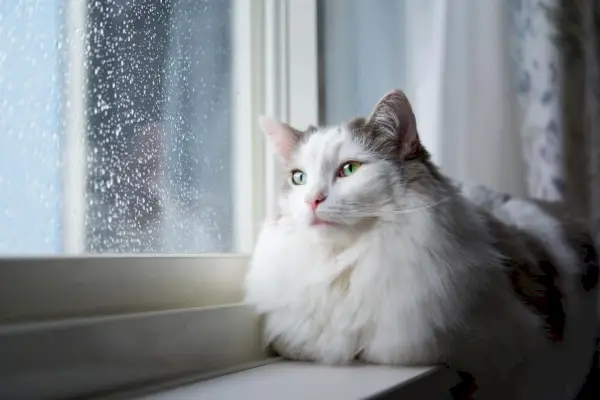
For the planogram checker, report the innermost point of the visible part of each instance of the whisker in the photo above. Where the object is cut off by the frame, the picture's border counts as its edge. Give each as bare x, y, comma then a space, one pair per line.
362, 211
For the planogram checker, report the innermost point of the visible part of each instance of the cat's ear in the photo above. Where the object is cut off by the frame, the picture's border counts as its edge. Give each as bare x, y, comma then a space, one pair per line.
393, 117
282, 136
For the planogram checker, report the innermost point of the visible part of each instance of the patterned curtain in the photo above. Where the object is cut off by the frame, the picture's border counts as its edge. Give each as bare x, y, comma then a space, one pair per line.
537, 62
557, 58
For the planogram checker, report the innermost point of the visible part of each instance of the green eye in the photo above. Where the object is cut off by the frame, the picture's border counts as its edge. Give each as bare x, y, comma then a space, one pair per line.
349, 168
298, 177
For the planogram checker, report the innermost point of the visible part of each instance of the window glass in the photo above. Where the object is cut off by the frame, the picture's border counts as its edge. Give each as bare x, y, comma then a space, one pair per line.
154, 173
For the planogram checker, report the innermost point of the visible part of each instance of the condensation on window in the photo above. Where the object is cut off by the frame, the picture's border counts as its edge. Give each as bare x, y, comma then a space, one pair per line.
156, 132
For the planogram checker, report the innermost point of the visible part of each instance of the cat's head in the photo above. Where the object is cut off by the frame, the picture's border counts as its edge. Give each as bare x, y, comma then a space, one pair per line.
352, 174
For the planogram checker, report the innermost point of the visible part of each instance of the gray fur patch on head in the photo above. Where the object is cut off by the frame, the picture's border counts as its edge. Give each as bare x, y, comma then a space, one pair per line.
391, 130
385, 147
391, 134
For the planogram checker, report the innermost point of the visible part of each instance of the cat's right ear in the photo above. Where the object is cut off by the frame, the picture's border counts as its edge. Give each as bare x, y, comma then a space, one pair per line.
282, 136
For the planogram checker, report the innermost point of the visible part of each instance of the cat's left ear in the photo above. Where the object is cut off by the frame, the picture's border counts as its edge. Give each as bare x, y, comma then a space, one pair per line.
282, 136
393, 117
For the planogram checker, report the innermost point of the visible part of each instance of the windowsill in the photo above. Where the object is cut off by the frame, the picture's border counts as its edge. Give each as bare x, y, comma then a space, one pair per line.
295, 380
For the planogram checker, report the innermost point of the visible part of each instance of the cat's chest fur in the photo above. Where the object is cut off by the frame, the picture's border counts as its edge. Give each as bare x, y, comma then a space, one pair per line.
381, 299
331, 304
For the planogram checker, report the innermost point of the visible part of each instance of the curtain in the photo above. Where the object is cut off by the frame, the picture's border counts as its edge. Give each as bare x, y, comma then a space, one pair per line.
453, 61
473, 112
537, 66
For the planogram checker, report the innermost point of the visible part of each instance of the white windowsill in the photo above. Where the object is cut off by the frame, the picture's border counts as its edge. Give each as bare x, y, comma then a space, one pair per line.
296, 380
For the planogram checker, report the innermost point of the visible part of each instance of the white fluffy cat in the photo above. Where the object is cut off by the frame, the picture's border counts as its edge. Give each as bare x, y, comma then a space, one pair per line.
374, 255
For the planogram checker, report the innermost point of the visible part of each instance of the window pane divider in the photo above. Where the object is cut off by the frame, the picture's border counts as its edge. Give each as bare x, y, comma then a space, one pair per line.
74, 115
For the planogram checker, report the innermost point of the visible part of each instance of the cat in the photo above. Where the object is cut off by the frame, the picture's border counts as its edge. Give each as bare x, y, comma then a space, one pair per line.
374, 255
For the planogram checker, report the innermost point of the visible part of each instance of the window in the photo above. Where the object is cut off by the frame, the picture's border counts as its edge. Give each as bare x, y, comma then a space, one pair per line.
118, 127
129, 128
133, 181
158, 115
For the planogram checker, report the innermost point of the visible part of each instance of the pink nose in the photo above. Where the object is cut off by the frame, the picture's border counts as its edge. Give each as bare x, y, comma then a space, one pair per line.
315, 201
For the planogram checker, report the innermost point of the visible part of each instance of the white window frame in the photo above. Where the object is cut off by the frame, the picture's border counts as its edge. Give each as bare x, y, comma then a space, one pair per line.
74, 116
77, 325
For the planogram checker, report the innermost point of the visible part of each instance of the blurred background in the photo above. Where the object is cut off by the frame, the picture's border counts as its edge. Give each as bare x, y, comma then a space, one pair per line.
116, 115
